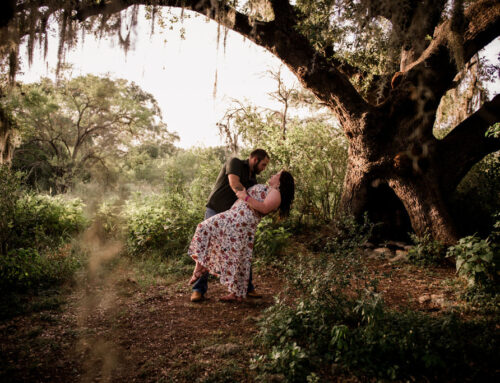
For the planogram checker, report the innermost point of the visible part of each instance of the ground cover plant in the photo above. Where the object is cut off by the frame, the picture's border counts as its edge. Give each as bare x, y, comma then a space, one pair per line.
339, 326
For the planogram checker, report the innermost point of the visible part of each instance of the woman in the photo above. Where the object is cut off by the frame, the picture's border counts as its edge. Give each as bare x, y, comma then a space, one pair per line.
222, 244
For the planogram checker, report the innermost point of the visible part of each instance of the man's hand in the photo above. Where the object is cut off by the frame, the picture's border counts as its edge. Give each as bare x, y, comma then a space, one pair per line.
241, 194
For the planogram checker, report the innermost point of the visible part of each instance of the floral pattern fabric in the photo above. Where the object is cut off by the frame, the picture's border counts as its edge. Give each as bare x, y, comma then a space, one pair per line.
223, 243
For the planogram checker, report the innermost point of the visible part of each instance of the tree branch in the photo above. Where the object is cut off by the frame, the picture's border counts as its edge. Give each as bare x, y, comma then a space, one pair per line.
279, 36
437, 66
467, 144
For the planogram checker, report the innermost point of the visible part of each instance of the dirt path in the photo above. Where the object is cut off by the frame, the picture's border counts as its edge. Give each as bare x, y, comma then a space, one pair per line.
111, 330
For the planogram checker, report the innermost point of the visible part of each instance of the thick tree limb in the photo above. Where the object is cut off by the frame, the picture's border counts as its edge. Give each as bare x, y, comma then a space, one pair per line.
467, 144
279, 36
437, 66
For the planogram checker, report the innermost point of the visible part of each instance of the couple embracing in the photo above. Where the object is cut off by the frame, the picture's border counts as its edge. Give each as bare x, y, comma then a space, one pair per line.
222, 244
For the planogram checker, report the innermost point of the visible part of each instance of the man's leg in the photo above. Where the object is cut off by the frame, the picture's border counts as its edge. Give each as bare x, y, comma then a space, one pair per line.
251, 293
251, 287
200, 287
209, 213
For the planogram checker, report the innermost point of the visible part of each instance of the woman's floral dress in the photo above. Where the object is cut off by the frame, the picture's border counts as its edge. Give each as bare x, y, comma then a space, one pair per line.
223, 243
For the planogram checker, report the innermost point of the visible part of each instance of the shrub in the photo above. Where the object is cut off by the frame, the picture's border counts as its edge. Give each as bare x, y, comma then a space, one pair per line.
163, 223
270, 240
426, 251
476, 198
109, 216
332, 332
42, 221
26, 268
10, 192
478, 261
348, 235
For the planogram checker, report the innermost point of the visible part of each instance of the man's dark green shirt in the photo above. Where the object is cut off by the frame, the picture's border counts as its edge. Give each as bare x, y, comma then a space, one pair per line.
222, 196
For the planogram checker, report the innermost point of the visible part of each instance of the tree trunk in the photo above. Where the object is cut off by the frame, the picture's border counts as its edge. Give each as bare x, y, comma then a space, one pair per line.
425, 207
394, 174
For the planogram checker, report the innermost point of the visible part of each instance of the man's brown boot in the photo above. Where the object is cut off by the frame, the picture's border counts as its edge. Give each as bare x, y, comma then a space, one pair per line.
196, 296
254, 294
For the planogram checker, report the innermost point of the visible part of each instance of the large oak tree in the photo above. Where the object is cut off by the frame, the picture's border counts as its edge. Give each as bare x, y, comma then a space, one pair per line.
387, 114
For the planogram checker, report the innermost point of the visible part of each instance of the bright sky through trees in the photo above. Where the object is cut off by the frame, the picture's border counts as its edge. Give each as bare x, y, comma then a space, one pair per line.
180, 73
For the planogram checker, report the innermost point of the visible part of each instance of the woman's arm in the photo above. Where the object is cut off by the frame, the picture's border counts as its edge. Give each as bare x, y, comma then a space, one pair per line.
272, 201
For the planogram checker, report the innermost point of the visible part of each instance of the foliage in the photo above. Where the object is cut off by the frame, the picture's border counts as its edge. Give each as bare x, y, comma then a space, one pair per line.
326, 333
348, 235
35, 221
109, 216
33, 229
477, 199
426, 251
164, 223
78, 126
341, 30
467, 97
147, 162
27, 268
42, 222
494, 130
193, 173
478, 261
317, 161
10, 192
270, 241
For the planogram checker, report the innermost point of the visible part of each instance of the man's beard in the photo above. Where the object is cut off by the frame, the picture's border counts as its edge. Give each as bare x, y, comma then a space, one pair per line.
256, 169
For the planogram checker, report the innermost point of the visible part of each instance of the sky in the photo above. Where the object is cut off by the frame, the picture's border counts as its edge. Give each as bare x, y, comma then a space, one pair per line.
180, 73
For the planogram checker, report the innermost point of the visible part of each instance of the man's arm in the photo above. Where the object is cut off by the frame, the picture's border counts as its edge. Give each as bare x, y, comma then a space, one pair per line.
234, 174
234, 182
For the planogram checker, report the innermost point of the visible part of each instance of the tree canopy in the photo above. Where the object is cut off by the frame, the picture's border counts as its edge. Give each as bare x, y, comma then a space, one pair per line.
80, 123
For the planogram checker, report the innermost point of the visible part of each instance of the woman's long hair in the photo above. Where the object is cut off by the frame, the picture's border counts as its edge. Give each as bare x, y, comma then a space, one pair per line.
287, 191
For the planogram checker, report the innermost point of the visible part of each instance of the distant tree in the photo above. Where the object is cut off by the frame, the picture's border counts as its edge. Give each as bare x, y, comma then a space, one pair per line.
80, 124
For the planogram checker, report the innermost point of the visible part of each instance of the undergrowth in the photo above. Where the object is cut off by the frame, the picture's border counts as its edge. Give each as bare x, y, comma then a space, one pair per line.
339, 327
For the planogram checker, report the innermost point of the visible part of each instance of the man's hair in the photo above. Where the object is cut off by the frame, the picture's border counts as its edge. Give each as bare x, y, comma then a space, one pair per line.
260, 154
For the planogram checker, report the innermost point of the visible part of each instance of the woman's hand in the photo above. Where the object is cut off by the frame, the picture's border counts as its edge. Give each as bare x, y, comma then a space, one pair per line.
241, 194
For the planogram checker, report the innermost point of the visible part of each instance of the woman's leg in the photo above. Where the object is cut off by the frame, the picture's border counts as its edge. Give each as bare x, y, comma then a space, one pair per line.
231, 297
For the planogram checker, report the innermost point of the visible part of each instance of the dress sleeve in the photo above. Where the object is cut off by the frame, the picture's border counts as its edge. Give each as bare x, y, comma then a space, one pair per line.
234, 167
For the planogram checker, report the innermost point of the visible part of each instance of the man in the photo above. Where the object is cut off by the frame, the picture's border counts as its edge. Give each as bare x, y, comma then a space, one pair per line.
235, 175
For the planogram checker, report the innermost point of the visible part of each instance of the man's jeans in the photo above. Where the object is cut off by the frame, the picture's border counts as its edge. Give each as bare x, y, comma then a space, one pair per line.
201, 284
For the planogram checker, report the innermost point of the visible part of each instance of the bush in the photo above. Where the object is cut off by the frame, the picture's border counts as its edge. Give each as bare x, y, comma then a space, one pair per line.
329, 332
42, 221
10, 192
426, 251
270, 240
478, 261
344, 235
349, 235
475, 200
26, 268
163, 223
110, 218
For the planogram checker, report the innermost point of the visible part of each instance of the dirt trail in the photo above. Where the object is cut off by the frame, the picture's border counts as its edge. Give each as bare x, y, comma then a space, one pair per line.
111, 330
114, 331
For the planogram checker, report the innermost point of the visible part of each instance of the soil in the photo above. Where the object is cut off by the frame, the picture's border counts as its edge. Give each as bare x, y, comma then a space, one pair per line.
108, 328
